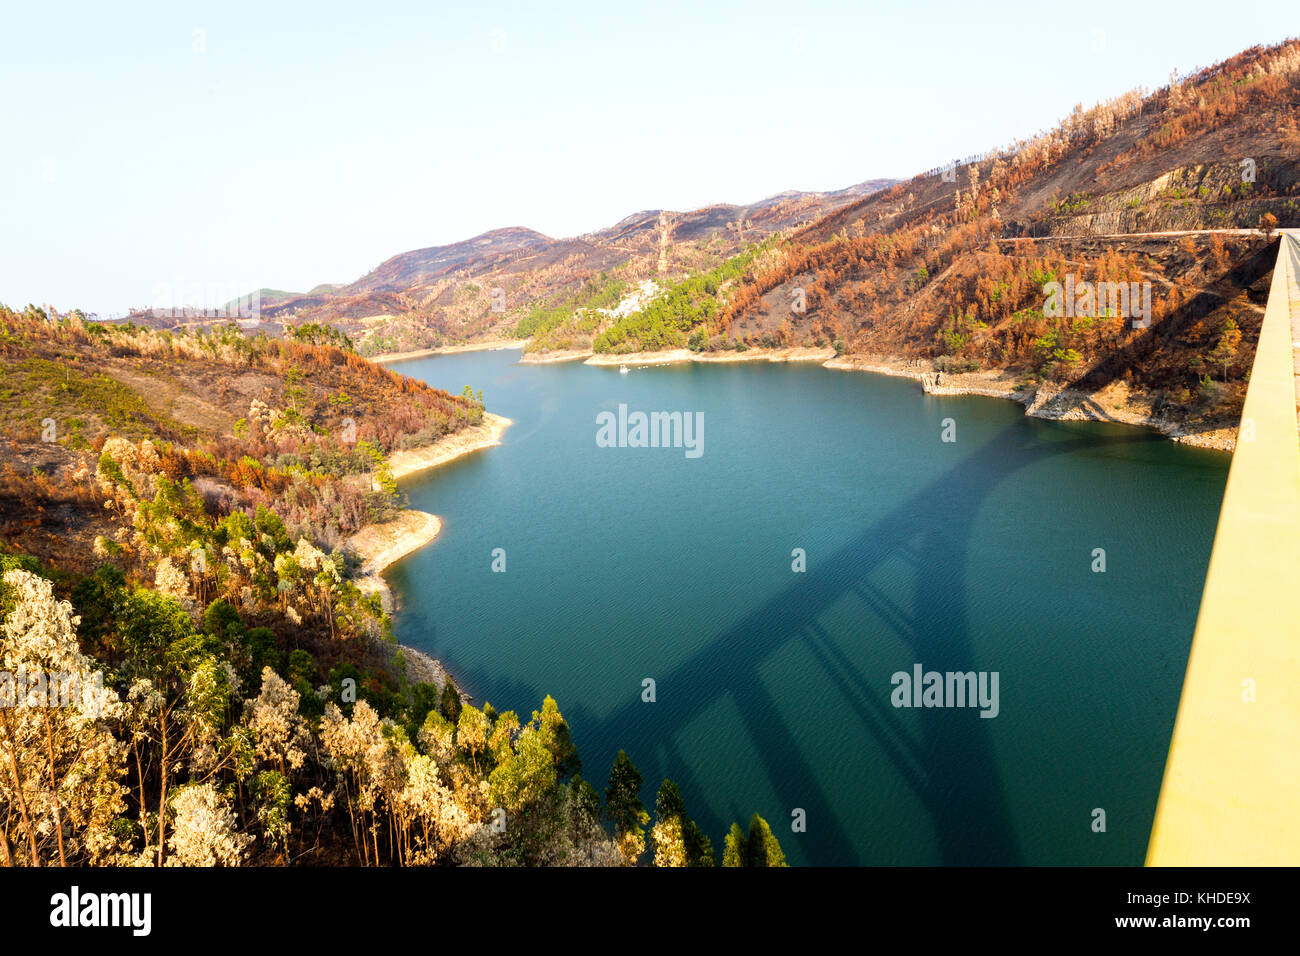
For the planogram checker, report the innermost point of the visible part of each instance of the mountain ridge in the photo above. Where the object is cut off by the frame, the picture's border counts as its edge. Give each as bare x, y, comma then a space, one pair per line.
443, 293
1175, 192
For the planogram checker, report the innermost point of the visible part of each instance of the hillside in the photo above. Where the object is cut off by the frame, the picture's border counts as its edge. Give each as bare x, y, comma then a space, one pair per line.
183, 523
252, 421
268, 298
444, 294
948, 273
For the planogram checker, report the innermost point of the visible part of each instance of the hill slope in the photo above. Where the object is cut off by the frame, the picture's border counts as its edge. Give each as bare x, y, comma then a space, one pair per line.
949, 273
440, 294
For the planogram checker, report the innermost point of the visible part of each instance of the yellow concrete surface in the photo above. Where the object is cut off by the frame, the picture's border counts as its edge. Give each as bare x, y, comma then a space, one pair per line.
1231, 789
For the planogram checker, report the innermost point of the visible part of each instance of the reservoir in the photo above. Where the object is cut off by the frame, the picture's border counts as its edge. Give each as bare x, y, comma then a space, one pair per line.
818, 538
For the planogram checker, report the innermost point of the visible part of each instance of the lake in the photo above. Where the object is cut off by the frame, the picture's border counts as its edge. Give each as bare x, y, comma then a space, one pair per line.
774, 688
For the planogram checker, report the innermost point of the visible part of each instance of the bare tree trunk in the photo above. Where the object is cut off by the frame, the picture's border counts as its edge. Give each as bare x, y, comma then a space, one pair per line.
139, 776
18, 789
162, 797
4, 845
352, 818
54, 789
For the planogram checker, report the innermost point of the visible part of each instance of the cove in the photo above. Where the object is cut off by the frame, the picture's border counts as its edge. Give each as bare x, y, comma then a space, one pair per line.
773, 684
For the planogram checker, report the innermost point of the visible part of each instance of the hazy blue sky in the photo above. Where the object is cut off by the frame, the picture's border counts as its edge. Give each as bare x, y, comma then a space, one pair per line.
233, 145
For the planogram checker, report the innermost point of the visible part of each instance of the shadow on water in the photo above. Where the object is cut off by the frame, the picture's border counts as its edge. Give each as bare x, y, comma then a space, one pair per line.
943, 757
931, 531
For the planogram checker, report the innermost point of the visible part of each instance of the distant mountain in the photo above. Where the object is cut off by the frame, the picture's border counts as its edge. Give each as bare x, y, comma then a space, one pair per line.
423, 266
775, 213
272, 297
444, 293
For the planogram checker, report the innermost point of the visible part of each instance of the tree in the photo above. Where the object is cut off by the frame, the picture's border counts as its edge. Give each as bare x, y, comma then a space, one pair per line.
525, 776
204, 832
168, 662
1225, 352
678, 840
280, 733
584, 805
669, 845
504, 731
471, 731
699, 848
762, 846
365, 762
623, 807
554, 730
757, 849
735, 851
669, 842
59, 765
424, 698
436, 819
450, 702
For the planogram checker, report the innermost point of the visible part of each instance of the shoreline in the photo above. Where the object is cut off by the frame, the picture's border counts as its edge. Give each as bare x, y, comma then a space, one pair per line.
382, 545
379, 546
677, 356
554, 357
674, 356
1111, 404
491, 345
408, 461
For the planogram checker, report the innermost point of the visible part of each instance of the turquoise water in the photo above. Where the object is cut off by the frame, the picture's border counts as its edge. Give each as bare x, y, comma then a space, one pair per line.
773, 688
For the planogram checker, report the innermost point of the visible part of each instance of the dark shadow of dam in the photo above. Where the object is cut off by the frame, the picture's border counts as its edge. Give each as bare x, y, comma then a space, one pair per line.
931, 532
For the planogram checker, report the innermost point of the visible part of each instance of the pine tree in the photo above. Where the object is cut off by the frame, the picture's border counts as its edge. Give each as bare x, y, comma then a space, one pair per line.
623, 807
678, 839
670, 818
583, 805
763, 848
699, 848
735, 852
555, 732
759, 848
450, 706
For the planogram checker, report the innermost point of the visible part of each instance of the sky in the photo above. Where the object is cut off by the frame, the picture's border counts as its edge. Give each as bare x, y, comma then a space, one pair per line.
192, 152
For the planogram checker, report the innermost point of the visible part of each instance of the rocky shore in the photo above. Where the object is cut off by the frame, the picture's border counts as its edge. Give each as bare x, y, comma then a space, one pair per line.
1114, 403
